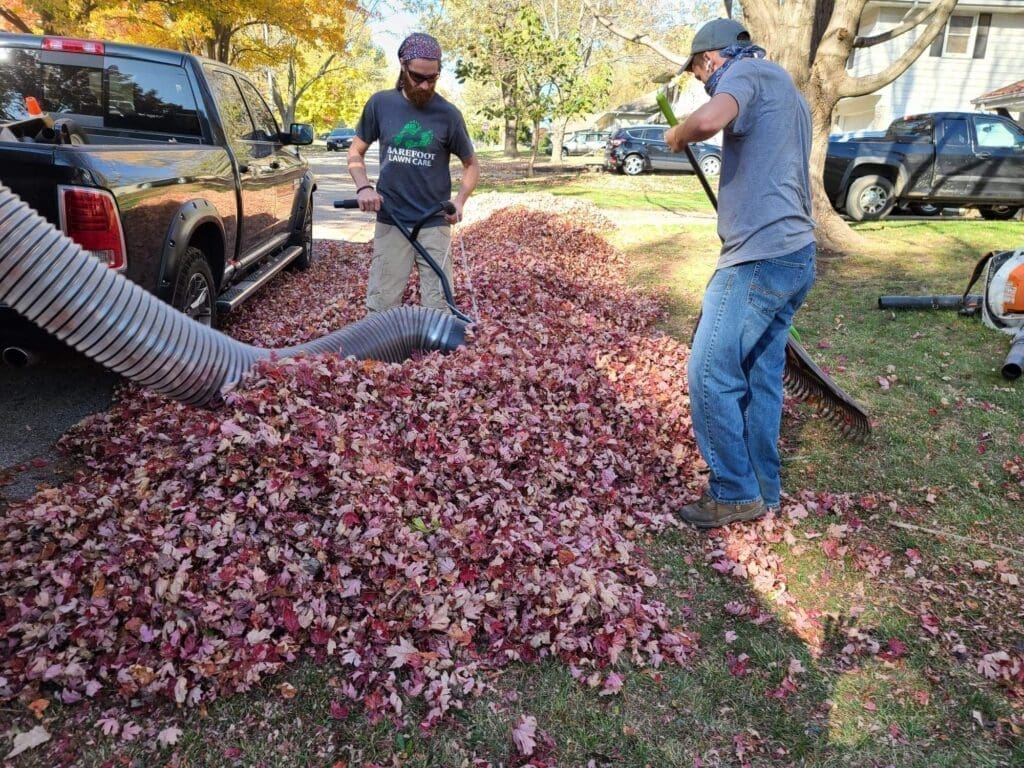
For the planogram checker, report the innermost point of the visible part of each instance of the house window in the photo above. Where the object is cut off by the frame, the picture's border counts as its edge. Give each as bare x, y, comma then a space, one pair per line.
959, 33
963, 37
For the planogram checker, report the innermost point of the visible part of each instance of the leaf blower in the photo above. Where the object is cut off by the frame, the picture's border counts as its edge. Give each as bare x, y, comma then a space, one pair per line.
1001, 304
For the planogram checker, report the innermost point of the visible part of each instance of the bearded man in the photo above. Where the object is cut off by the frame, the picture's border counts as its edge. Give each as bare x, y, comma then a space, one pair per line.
418, 131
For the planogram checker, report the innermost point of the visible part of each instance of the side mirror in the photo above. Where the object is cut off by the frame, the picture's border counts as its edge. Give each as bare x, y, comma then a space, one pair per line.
301, 134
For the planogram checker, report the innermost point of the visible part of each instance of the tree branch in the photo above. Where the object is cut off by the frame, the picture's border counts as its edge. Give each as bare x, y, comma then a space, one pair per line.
906, 26
634, 37
15, 20
859, 86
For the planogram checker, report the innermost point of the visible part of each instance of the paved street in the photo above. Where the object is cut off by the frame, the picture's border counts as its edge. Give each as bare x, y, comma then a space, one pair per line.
39, 403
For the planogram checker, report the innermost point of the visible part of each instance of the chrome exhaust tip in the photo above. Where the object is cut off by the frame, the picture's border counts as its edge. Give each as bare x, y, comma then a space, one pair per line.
17, 357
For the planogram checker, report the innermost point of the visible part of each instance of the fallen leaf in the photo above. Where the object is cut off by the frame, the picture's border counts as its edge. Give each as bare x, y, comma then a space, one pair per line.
524, 734
169, 736
28, 740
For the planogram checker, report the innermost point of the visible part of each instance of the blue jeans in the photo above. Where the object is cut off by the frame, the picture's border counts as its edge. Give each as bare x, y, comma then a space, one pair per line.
735, 372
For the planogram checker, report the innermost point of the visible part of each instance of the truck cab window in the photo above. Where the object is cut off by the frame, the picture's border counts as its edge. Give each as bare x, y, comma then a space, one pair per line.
266, 125
996, 134
147, 96
237, 123
100, 93
955, 133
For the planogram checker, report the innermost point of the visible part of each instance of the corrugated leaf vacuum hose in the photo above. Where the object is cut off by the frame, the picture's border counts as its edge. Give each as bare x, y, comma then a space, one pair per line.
47, 278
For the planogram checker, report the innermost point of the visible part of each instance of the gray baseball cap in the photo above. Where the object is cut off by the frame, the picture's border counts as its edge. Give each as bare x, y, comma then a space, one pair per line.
714, 36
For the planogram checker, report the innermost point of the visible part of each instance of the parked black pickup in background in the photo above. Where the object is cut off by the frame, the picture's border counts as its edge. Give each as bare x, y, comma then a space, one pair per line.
169, 167
943, 159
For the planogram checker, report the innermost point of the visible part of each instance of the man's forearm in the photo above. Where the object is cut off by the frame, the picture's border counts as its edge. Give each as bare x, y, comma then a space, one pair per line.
704, 123
357, 169
470, 177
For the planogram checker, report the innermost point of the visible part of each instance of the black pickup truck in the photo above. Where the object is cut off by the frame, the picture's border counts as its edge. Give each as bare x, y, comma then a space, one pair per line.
940, 159
169, 167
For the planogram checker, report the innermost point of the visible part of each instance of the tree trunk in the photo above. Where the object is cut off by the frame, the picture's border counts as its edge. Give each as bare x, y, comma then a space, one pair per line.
833, 233
534, 148
508, 102
557, 140
787, 41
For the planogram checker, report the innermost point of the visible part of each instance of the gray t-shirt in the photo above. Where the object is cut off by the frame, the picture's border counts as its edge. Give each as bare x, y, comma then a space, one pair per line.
764, 207
416, 146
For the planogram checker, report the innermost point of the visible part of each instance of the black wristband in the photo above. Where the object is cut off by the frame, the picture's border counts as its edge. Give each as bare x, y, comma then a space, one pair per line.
365, 186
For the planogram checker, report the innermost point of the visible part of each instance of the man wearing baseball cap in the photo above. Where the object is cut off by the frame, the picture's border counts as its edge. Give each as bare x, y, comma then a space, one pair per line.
418, 131
764, 271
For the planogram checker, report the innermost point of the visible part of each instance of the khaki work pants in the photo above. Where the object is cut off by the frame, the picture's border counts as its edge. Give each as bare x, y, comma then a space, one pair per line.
393, 260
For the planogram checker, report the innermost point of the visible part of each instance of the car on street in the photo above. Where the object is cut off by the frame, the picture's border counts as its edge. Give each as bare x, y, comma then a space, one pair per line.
638, 148
340, 138
585, 142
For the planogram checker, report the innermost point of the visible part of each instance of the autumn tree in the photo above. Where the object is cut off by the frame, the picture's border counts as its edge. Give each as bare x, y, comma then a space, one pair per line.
813, 40
324, 84
226, 30
540, 55
49, 17
480, 37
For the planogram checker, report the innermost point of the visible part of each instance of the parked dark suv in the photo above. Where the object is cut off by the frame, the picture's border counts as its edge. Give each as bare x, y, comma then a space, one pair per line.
638, 148
340, 138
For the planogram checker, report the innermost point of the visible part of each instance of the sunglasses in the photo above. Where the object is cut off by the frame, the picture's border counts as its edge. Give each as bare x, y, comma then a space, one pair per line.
419, 79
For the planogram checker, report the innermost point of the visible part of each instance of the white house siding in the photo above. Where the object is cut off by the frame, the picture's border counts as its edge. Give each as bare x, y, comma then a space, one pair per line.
933, 83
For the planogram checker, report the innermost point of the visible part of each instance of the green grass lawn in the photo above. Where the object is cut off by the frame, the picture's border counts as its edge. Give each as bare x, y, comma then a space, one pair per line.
945, 425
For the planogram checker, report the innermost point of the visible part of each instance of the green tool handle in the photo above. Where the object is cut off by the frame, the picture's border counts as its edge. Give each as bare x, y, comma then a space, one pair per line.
670, 117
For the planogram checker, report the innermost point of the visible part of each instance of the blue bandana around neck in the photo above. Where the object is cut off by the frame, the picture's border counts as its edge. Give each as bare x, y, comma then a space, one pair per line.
731, 54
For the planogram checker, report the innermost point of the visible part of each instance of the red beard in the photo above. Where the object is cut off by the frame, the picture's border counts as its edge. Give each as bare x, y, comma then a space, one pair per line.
416, 95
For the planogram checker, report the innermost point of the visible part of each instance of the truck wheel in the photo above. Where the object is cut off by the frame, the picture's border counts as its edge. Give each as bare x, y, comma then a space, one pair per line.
633, 165
869, 198
195, 292
998, 212
304, 261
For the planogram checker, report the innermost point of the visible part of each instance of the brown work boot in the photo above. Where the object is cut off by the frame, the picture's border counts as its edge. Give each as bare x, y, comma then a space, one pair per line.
708, 513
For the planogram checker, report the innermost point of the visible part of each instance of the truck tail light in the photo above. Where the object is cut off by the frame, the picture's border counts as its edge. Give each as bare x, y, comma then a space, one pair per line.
72, 45
89, 217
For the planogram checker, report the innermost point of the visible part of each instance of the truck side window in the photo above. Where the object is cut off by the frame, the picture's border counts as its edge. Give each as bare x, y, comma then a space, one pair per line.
147, 96
266, 126
995, 134
913, 129
955, 133
234, 115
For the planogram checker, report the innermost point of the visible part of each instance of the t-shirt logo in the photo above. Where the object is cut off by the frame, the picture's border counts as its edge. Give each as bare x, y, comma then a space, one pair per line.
413, 136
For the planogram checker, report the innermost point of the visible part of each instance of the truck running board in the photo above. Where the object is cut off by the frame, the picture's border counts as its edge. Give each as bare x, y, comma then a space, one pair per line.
244, 289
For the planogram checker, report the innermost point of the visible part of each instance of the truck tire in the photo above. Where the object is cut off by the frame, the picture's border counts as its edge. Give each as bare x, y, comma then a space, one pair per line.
195, 292
998, 212
633, 165
304, 261
869, 198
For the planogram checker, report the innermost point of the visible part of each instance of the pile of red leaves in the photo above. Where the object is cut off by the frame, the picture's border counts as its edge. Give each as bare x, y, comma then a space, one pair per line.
419, 523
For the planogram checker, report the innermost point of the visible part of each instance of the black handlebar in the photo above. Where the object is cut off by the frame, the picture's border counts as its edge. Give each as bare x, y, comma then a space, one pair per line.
446, 207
